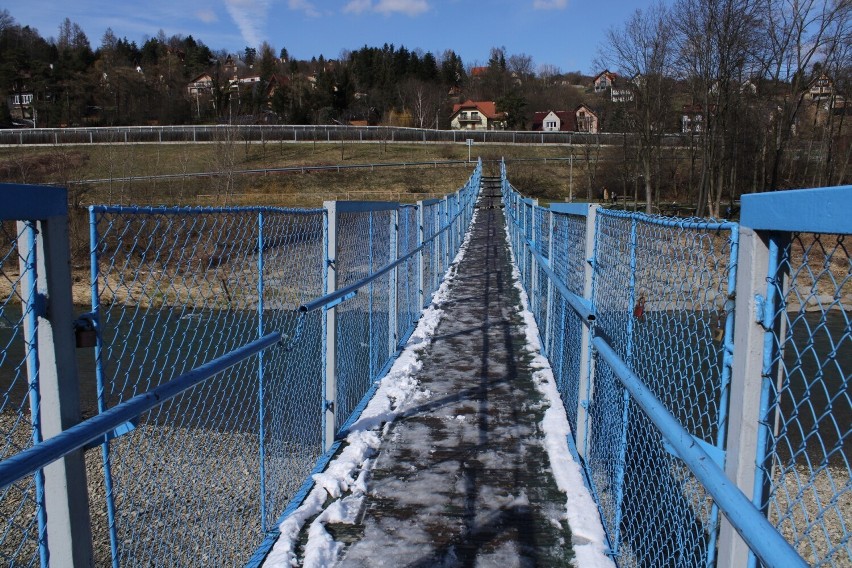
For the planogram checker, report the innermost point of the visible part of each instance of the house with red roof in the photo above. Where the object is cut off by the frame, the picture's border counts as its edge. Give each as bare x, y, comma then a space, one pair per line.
581, 119
477, 115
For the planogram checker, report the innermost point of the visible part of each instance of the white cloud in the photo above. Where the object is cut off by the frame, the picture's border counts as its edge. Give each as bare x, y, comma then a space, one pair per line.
207, 16
387, 7
550, 4
304, 6
408, 7
249, 15
357, 6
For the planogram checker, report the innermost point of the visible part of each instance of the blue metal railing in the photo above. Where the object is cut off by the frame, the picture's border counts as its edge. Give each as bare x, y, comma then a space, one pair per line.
198, 463
642, 356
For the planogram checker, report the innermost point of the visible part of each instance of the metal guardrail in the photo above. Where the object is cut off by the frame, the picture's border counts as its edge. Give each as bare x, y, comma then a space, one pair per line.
659, 388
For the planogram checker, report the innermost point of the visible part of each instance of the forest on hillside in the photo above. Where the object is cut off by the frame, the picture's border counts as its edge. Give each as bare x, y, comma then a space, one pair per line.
759, 88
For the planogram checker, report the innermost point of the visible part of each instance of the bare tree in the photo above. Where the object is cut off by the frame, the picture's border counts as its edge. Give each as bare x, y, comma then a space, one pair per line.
642, 50
715, 41
423, 100
798, 33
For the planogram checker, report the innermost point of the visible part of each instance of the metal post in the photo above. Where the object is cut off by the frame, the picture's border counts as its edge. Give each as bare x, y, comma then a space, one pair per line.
446, 234
100, 378
587, 361
330, 324
65, 489
393, 300
625, 410
421, 257
745, 412
261, 418
548, 323
535, 297
436, 245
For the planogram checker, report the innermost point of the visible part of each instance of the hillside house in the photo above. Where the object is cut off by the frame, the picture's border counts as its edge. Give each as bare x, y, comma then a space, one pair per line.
603, 81
620, 91
693, 119
21, 109
200, 85
821, 88
581, 119
477, 115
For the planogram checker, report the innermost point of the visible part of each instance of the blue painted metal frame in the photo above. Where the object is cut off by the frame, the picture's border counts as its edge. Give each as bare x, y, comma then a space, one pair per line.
197, 210
581, 209
37, 457
32, 201
100, 381
749, 522
820, 210
365, 206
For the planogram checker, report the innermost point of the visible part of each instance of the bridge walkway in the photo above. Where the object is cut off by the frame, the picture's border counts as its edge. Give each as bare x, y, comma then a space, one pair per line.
462, 477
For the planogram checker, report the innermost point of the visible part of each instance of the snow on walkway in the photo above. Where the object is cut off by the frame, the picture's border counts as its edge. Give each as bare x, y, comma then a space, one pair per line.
461, 457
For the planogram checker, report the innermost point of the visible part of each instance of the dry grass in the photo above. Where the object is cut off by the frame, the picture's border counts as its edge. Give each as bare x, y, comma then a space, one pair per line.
64, 164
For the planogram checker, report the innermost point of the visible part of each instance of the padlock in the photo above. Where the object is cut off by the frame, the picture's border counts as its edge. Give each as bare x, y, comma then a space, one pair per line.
84, 332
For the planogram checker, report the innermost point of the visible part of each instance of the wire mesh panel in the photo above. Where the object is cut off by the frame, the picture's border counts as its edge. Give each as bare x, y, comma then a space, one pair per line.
661, 292
22, 502
408, 274
429, 251
568, 234
804, 469
172, 290
363, 247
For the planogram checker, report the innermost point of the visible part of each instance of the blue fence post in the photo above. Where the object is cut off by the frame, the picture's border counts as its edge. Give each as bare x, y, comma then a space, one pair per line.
393, 299
100, 377
62, 506
330, 327
370, 308
535, 298
548, 325
28, 251
625, 416
587, 360
445, 203
436, 245
421, 257
766, 315
260, 391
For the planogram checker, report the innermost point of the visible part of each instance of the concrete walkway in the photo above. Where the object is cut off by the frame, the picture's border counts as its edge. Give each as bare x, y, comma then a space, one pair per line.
463, 479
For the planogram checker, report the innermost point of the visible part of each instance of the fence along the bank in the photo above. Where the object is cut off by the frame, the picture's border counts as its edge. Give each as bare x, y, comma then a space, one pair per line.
305, 133
179, 296
638, 314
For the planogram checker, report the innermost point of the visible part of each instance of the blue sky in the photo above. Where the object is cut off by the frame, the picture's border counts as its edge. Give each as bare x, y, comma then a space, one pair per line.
564, 33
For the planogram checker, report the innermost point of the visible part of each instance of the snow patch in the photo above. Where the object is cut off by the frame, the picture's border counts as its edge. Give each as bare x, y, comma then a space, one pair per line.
587, 533
397, 390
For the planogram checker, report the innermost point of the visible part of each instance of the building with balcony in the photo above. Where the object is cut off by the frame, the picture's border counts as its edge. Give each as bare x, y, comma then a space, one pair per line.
477, 115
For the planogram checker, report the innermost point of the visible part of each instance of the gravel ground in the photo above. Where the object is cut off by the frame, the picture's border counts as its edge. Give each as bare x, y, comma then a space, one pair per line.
184, 497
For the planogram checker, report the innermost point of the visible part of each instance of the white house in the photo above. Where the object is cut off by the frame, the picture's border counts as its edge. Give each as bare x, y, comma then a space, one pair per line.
477, 115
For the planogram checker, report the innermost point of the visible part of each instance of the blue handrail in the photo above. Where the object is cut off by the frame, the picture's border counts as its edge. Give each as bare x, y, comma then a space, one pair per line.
37, 457
766, 542
350, 291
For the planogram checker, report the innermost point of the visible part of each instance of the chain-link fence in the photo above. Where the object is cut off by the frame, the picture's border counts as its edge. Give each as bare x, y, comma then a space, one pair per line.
23, 539
196, 296
650, 411
803, 483
172, 289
